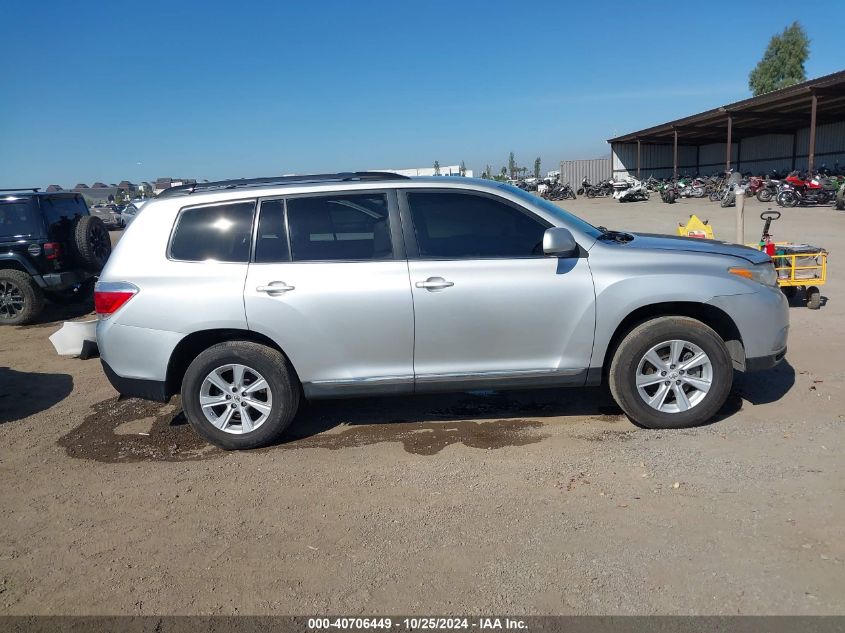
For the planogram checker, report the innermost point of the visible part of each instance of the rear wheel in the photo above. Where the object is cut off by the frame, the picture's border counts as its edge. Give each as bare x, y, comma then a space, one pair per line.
21, 300
671, 372
814, 298
240, 395
764, 195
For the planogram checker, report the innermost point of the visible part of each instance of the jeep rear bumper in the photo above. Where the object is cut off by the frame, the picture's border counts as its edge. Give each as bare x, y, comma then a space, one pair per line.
62, 280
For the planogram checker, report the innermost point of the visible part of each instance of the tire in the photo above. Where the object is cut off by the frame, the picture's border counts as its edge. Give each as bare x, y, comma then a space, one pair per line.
629, 359
840, 200
814, 298
787, 199
21, 300
259, 360
591, 193
715, 196
727, 201
92, 242
764, 195
581, 191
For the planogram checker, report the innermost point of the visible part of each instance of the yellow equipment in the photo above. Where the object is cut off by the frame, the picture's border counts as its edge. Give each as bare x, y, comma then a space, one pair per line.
696, 228
800, 266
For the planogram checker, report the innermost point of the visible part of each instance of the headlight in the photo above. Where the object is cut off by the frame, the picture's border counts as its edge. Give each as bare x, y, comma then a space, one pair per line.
761, 273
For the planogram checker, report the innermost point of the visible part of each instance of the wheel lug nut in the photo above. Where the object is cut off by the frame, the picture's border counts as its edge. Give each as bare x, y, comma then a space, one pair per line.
681, 371
234, 406
668, 382
677, 382
228, 397
662, 373
671, 367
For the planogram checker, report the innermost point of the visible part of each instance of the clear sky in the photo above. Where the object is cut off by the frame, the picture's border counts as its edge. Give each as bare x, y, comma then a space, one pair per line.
215, 89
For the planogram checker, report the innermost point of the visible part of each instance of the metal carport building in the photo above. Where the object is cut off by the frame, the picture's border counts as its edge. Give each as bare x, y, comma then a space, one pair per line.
800, 127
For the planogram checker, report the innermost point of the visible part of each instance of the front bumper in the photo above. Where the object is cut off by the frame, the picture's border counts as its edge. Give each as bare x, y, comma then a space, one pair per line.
760, 363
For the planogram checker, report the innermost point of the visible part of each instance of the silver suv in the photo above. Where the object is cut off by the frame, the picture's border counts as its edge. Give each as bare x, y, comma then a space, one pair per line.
248, 295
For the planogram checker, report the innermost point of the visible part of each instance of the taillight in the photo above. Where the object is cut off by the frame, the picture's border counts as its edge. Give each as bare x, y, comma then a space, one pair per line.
109, 297
52, 250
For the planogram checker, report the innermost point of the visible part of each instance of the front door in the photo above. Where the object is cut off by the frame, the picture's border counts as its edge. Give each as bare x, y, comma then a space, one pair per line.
329, 283
489, 307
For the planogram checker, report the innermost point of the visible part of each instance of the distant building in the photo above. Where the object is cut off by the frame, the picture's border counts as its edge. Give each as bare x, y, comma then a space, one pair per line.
445, 170
54, 188
127, 187
81, 187
162, 184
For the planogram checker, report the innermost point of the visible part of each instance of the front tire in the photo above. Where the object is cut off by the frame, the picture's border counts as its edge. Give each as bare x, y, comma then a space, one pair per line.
240, 395
671, 373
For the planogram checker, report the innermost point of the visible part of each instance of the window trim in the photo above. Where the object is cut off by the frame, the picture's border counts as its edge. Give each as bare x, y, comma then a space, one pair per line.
178, 218
410, 234
396, 237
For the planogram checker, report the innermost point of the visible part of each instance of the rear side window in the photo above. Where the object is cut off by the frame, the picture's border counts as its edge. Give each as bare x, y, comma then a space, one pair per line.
64, 208
343, 227
19, 218
272, 242
467, 226
220, 233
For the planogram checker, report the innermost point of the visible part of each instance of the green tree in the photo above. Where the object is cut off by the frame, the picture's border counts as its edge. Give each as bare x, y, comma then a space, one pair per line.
488, 171
437, 168
537, 167
119, 198
463, 169
783, 62
511, 165
503, 174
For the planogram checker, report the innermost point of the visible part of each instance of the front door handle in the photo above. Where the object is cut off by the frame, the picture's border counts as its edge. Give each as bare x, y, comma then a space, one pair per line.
434, 283
275, 287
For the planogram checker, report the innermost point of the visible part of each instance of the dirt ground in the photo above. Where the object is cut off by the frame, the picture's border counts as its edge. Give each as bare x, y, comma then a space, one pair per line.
522, 502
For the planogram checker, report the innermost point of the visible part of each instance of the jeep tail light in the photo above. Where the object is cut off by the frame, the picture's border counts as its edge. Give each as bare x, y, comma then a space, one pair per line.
109, 297
52, 250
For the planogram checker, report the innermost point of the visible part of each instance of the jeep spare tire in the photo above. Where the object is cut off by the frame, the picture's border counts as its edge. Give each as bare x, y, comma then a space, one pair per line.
92, 241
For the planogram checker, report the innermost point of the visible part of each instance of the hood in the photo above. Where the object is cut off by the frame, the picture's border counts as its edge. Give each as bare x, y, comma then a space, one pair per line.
650, 241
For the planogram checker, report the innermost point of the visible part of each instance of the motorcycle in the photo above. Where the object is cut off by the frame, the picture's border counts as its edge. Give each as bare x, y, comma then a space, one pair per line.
629, 190
668, 192
800, 189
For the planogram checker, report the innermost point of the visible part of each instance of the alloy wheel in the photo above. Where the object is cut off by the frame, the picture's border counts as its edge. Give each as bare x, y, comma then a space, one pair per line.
674, 376
11, 300
236, 399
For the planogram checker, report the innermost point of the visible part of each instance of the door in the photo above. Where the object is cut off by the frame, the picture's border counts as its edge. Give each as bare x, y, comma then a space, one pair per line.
489, 306
329, 283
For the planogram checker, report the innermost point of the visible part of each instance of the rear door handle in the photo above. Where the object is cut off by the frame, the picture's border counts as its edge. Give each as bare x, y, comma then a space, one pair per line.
434, 283
275, 287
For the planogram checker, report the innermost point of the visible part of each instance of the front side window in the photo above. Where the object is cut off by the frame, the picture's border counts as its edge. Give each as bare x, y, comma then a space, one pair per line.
219, 233
341, 227
466, 226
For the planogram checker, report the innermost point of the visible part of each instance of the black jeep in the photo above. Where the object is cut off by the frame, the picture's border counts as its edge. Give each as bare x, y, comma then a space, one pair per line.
50, 246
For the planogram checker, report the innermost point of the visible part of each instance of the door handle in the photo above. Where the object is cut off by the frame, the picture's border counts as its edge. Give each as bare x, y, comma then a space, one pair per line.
434, 283
275, 287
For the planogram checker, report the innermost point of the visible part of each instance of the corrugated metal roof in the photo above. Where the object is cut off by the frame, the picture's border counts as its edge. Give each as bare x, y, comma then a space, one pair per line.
780, 111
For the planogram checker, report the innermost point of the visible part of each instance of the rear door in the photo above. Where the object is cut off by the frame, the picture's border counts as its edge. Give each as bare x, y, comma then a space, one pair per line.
329, 283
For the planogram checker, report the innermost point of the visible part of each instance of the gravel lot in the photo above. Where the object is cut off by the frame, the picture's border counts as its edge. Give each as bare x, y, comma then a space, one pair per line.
524, 503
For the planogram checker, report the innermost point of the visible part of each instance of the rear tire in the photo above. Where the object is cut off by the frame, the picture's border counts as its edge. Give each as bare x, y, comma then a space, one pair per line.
21, 300
814, 298
630, 361
92, 242
281, 393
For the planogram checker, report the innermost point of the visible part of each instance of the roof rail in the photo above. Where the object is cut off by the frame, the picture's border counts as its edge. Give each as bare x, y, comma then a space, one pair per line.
352, 176
35, 189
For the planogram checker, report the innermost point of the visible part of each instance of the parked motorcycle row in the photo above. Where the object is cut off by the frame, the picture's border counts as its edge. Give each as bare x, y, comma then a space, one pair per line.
788, 190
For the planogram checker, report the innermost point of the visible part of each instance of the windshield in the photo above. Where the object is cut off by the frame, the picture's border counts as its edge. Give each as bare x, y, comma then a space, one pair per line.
19, 218
567, 218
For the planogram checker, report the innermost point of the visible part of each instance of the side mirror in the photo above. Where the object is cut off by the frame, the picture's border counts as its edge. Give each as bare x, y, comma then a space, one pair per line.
558, 241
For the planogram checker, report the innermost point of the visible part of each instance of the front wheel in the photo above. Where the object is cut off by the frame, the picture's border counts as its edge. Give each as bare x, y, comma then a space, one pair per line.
764, 195
240, 395
671, 373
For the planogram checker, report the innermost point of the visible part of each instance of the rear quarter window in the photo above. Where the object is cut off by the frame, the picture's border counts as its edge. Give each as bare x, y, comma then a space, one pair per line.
220, 233
19, 218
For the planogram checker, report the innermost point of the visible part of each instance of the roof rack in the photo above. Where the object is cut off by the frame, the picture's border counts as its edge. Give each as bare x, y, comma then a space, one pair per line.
352, 176
35, 189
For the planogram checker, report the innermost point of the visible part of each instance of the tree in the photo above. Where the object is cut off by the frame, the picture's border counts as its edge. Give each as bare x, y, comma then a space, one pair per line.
783, 62
462, 170
488, 171
537, 167
437, 168
511, 165
503, 174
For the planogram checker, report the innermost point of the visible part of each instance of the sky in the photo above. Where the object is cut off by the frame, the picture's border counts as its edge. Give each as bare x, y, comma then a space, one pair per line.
121, 90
